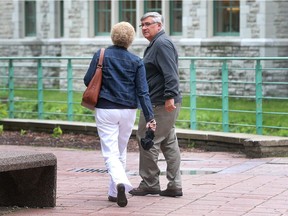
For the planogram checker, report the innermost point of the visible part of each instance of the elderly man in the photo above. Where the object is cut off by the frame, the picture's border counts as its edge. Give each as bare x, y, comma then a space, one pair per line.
161, 63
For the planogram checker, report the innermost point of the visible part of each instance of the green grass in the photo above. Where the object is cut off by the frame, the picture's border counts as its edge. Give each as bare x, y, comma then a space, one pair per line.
241, 120
242, 116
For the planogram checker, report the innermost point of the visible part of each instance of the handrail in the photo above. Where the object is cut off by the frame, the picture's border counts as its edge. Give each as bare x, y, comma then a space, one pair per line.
219, 78
180, 58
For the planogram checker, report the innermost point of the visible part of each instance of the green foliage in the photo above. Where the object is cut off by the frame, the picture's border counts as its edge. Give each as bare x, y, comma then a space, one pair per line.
283, 133
1, 129
3, 111
241, 115
23, 132
191, 145
57, 132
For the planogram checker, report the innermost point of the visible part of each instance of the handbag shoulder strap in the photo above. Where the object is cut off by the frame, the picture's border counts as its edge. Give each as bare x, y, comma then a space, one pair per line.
100, 62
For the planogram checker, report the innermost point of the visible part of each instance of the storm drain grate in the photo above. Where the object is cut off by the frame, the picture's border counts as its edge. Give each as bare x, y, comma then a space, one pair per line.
278, 163
133, 173
90, 170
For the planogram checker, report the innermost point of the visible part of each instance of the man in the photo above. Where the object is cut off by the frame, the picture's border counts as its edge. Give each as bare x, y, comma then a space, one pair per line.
161, 63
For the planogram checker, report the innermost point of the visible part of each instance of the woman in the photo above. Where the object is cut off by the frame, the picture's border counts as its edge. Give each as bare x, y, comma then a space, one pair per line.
124, 86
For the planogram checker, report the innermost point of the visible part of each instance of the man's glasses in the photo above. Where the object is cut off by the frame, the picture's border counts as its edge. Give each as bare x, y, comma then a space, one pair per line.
147, 24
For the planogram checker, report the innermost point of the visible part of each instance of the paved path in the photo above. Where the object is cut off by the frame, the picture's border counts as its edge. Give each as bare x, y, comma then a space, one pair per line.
214, 183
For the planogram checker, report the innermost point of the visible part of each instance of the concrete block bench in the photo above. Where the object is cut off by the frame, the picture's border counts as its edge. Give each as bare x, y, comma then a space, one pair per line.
27, 179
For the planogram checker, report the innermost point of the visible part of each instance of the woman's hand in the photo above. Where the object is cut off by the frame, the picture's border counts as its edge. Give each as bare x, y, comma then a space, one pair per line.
151, 124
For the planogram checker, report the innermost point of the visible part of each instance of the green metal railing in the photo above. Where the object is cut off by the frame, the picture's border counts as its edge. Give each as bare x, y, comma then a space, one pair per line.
221, 79
258, 94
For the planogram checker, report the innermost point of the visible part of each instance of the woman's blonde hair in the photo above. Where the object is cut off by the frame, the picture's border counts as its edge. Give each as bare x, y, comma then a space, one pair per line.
122, 34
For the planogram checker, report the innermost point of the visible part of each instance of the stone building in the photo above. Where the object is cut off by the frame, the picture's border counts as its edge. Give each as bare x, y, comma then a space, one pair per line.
255, 28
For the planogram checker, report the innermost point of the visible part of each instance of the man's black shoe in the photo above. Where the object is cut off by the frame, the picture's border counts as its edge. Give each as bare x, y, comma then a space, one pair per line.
121, 196
143, 192
171, 192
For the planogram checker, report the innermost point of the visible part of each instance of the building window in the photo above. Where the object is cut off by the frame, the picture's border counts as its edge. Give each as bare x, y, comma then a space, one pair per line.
153, 6
226, 18
176, 17
102, 17
127, 12
59, 18
30, 18
105, 13
61, 14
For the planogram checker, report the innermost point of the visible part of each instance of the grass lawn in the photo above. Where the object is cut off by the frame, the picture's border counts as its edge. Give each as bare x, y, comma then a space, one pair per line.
242, 117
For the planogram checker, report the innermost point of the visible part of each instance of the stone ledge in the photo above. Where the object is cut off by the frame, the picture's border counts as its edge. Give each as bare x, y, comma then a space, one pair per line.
29, 179
18, 160
252, 145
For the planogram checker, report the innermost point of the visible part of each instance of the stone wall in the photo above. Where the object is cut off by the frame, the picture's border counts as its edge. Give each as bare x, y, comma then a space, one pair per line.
280, 21
264, 30
6, 22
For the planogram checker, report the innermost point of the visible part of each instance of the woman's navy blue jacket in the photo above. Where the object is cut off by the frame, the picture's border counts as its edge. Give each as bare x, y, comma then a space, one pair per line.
124, 79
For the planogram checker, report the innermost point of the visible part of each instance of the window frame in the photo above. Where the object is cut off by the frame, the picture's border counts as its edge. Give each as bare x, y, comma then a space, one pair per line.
215, 18
114, 14
172, 11
59, 18
107, 10
157, 8
30, 28
131, 11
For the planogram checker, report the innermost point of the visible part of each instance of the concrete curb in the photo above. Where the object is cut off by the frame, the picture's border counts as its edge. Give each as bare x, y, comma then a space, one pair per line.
254, 146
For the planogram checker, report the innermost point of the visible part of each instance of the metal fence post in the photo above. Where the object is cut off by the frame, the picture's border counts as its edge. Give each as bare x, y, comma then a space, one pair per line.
11, 89
193, 120
258, 93
40, 88
69, 91
225, 99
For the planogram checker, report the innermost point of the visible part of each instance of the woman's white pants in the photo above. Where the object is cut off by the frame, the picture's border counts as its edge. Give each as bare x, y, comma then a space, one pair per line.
114, 128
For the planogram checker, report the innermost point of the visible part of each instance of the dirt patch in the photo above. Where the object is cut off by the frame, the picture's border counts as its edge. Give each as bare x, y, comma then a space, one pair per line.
69, 140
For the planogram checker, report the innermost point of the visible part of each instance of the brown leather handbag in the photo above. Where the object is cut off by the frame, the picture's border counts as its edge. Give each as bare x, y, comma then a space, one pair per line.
91, 94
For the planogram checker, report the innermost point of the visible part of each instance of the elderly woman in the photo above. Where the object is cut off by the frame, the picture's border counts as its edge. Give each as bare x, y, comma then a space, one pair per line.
124, 86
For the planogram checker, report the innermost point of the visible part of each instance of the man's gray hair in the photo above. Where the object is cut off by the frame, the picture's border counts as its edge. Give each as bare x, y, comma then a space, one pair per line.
155, 16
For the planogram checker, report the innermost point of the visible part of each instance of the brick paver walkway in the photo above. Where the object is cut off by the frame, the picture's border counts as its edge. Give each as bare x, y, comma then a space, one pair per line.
214, 183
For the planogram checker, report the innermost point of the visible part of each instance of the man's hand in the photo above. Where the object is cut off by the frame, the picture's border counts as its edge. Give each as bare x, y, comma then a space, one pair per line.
169, 105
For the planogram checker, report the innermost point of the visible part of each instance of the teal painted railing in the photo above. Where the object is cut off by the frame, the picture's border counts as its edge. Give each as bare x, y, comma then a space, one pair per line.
258, 81
223, 80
